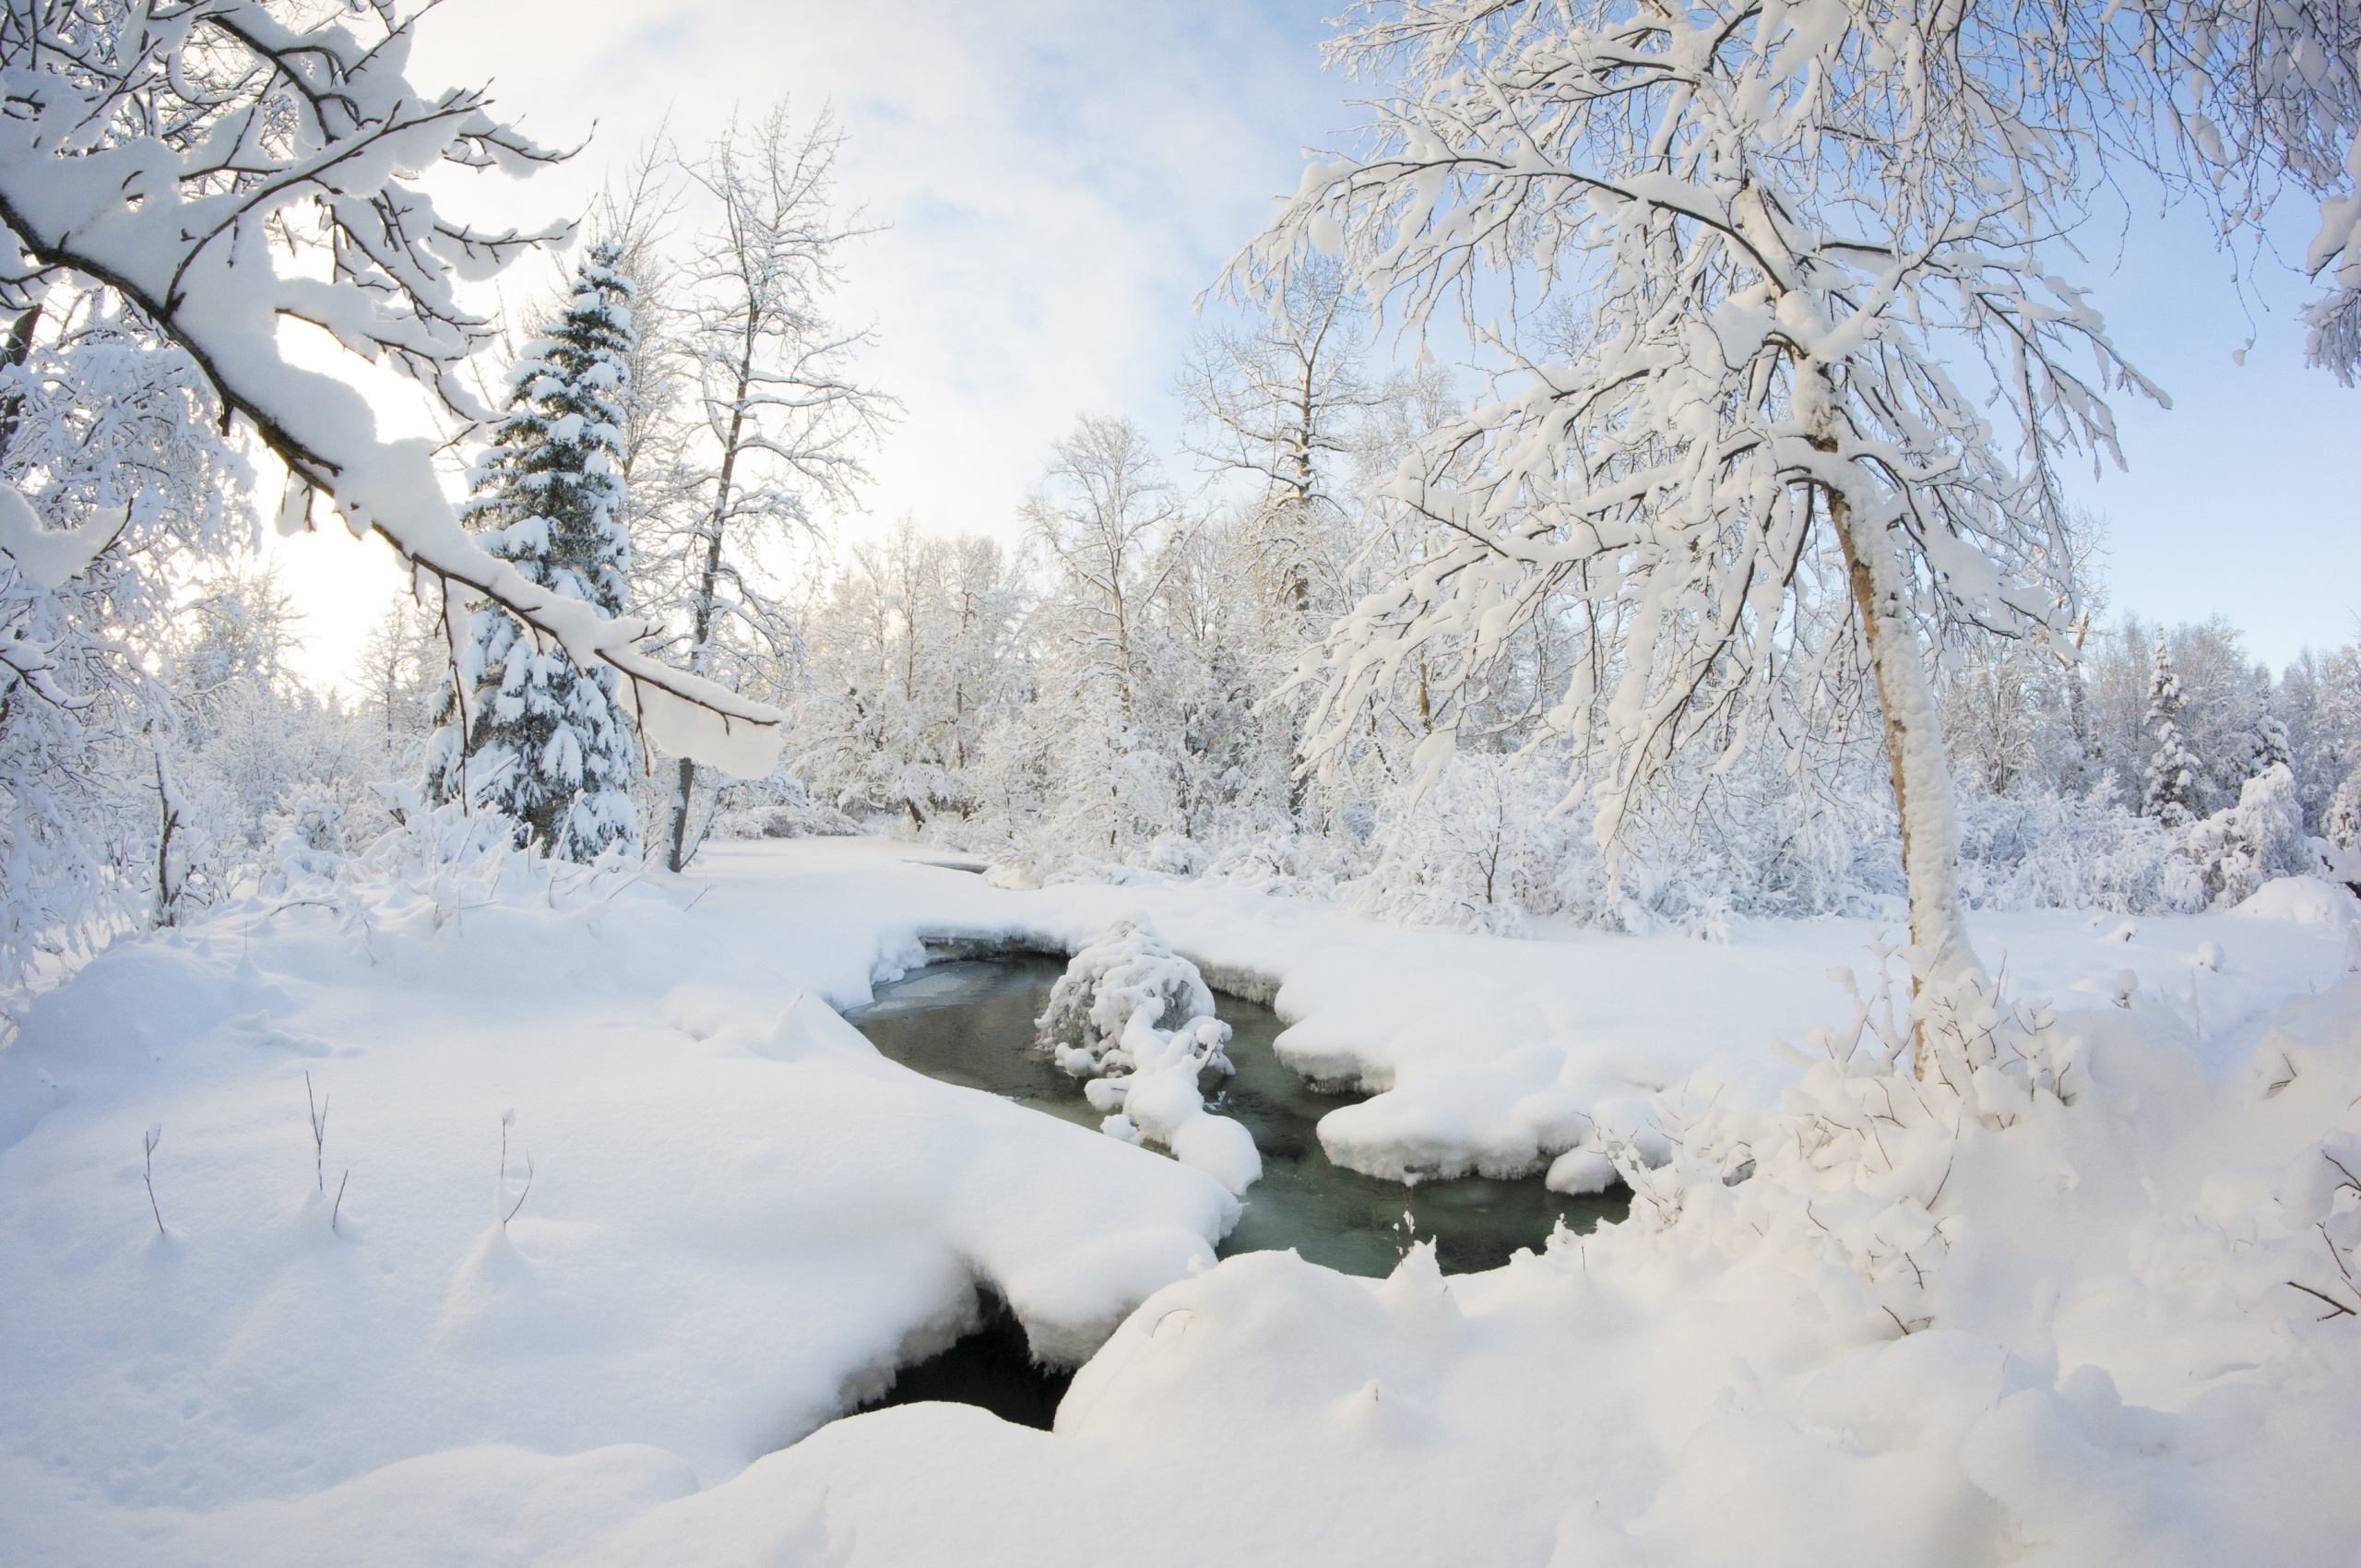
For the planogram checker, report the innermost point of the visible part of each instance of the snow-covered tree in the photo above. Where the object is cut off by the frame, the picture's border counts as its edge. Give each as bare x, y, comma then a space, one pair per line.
911, 663
783, 425
2343, 827
226, 168
1751, 475
255, 756
535, 736
2271, 747
2174, 771
2242, 847
403, 678
1284, 405
1294, 407
118, 483
1108, 522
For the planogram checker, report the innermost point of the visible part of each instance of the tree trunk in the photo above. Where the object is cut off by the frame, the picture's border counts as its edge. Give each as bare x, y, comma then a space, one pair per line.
1914, 749
677, 858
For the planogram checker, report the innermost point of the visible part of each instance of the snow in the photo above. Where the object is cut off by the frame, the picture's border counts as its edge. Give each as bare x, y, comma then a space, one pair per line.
741, 1218
2307, 900
1101, 1020
50, 558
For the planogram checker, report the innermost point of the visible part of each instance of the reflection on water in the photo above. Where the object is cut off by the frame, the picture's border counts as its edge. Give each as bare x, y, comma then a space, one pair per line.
971, 1023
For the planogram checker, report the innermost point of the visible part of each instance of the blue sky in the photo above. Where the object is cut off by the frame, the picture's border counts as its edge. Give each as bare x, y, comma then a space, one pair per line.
1061, 178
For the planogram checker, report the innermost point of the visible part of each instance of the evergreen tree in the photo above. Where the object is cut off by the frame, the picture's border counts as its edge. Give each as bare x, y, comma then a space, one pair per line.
541, 739
2173, 772
2272, 748
2341, 827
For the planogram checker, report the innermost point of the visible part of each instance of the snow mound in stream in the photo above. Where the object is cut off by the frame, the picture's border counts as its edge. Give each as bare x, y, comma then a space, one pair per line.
1100, 1024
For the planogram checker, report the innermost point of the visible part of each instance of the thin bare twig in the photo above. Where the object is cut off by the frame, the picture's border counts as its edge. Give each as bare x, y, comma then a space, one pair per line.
2336, 1308
515, 1207
319, 1132
155, 1136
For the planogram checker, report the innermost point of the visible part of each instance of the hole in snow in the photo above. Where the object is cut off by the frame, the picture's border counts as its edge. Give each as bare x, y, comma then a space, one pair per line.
990, 1367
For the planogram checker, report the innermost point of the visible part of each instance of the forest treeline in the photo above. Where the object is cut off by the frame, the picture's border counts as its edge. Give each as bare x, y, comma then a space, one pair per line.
1474, 655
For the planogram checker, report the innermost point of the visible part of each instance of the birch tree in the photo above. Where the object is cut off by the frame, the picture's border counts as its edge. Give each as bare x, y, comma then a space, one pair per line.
784, 426
1749, 475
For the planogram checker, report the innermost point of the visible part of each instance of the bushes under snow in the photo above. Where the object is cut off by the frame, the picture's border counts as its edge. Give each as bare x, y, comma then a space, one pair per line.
1101, 1025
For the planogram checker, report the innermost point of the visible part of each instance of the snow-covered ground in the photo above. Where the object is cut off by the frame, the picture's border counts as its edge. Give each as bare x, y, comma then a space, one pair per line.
740, 1218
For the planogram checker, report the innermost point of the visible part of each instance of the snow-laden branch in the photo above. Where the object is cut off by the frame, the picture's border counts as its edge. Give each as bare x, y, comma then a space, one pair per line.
1737, 244
208, 161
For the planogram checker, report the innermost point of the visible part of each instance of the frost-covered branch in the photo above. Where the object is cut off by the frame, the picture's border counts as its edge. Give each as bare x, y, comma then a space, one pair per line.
224, 170
1739, 248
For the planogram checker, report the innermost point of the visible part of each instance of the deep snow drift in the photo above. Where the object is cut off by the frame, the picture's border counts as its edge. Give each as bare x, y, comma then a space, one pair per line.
741, 1218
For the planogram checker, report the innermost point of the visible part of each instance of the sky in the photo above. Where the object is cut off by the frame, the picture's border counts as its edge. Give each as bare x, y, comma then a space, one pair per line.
1055, 181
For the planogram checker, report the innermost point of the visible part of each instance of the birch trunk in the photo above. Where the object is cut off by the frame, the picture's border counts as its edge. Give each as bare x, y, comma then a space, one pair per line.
1914, 749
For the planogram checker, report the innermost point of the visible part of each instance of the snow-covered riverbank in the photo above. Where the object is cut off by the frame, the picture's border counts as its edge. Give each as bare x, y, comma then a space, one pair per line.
740, 1218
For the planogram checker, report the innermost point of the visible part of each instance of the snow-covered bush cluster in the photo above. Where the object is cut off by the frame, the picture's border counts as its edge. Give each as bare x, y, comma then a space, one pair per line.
1101, 1025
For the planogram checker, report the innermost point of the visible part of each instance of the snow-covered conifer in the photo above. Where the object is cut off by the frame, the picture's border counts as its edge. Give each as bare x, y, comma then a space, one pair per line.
2341, 827
2272, 748
539, 738
2173, 773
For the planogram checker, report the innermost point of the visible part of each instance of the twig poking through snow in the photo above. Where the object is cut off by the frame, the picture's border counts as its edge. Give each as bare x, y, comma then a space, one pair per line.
155, 1136
337, 1212
515, 1207
508, 1210
319, 1132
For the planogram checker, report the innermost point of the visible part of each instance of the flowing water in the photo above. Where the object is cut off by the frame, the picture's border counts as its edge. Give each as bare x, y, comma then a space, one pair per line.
971, 1023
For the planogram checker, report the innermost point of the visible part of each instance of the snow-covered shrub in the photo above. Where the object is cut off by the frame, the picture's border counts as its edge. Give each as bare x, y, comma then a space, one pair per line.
1128, 969
1303, 864
1845, 1181
2238, 850
1101, 1025
776, 807
1476, 850
1160, 1101
2039, 849
1173, 855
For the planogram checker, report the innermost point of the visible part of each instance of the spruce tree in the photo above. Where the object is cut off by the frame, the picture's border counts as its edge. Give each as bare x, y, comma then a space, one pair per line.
543, 741
2173, 769
2340, 824
2270, 745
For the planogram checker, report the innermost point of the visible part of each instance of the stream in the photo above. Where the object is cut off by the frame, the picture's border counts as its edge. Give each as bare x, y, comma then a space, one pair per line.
970, 1022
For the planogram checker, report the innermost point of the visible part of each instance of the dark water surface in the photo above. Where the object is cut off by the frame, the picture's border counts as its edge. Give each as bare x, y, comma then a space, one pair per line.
971, 1023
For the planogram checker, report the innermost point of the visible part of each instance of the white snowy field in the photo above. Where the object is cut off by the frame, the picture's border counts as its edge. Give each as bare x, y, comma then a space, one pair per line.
741, 1218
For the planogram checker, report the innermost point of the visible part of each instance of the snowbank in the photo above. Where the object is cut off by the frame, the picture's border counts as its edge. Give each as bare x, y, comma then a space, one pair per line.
740, 1218
2114, 1367
2308, 900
